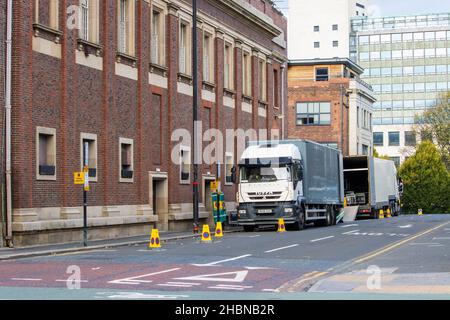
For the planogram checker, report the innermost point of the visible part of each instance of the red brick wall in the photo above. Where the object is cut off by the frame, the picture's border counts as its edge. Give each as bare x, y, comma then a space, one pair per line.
71, 98
326, 91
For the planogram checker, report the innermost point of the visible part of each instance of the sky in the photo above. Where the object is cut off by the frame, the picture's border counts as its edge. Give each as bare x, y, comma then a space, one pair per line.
388, 8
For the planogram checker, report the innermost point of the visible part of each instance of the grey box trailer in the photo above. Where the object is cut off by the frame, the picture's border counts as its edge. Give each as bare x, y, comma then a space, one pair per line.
320, 194
371, 184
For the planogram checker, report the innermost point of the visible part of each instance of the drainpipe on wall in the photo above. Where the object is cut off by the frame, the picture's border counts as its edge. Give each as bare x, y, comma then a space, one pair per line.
283, 113
8, 123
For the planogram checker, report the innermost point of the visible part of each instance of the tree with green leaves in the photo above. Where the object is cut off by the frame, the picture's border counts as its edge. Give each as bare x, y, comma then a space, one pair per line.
426, 181
434, 124
377, 155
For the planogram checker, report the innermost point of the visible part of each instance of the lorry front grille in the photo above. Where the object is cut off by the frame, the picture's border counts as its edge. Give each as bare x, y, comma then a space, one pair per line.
261, 197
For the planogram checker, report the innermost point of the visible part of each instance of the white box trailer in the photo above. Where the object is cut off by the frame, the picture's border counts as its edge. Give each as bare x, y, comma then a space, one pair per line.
371, 184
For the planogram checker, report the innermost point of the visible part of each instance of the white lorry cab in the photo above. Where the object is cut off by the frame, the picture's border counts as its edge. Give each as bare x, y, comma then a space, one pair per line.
297, 180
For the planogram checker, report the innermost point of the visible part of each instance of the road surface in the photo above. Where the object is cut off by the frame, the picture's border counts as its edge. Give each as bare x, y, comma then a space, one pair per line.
400, 257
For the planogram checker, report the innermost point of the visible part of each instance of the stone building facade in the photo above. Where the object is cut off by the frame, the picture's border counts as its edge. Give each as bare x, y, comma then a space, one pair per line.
328, 103
120, 83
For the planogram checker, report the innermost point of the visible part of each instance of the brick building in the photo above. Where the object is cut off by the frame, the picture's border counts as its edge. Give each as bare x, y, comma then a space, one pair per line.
329, 103
121, 83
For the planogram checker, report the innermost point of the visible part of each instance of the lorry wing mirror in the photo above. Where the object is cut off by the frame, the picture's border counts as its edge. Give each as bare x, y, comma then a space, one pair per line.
233, 174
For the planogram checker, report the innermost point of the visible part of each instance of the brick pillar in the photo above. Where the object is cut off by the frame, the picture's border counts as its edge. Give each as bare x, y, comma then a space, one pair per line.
109, 154
172, 78
23, 131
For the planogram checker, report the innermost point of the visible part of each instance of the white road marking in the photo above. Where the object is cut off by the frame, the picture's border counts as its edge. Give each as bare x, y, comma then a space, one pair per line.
71, 280
174, 285
441, 238
225, 288
422, 244
137, 295
25, 279
96, 268
217, 262
135, 280
258, 268
405, 226
315, 240
233, 286
270, 290
350, 232
185, 283
239, 277
282, 248
255, 236
349, 225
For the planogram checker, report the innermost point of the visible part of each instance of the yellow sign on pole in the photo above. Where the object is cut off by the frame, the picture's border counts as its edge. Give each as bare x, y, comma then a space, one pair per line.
78, 178
214, 186
86, 179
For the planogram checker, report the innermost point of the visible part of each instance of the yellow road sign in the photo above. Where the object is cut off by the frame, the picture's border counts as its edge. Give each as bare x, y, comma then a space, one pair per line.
214, 185
78, 178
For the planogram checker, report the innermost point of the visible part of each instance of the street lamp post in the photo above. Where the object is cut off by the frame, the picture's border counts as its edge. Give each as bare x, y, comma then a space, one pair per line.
195, 113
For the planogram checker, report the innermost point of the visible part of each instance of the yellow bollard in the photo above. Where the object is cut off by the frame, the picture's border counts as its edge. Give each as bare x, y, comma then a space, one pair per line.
388, 213
420, 212
281, 225
381, 215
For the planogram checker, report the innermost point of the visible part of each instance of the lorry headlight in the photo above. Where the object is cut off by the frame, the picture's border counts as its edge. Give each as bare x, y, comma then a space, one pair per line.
288, 210
242, 211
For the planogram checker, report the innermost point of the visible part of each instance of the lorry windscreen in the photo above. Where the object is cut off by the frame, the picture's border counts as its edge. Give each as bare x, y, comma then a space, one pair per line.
255, 174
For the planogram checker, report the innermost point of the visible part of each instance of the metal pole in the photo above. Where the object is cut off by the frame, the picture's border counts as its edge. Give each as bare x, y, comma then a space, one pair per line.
342, 118
9, 27
86, 164
195, 115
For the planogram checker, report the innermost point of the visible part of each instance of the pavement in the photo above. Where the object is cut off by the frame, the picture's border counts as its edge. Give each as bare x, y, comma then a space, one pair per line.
402, 257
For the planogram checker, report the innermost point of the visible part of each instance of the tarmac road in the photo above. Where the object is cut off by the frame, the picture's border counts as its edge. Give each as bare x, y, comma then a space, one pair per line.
315, 263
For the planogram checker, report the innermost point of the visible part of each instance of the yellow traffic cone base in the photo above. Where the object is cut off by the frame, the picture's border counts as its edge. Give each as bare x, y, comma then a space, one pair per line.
155, 241
281, 225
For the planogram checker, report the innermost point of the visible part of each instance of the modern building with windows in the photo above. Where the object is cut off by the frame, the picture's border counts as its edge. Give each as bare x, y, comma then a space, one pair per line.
330, 104
110, 91
320, 29
407, 62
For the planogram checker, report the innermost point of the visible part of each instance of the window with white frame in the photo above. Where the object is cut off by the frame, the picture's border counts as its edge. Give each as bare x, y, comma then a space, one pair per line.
126, 160
45, 153
47, 14
89, 20
247, 73
126, 21
228, 66
88, 153
262, 80
208, 57
185, 164
157, 49
184, 47
229, 168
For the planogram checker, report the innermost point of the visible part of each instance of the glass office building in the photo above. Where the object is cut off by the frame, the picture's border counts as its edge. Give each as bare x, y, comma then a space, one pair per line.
407, 62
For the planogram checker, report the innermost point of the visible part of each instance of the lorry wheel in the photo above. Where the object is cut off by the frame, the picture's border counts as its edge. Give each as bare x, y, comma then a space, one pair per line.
249, 228
329, 220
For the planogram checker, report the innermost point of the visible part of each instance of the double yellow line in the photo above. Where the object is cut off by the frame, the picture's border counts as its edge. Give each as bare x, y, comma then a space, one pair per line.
396, 244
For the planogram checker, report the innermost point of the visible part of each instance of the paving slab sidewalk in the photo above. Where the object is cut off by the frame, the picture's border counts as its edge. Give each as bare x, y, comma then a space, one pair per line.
47, 250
